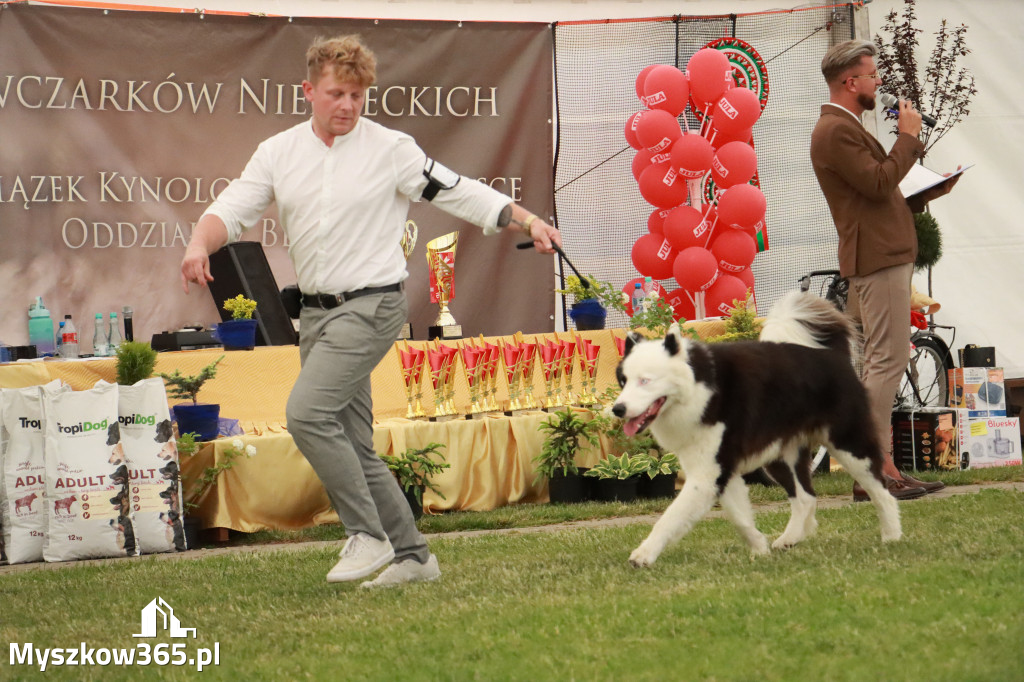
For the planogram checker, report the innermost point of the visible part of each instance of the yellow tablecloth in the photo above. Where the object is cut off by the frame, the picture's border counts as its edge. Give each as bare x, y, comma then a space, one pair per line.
491, 456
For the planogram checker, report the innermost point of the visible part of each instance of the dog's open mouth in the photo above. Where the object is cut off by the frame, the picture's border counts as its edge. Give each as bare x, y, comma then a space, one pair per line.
637, 424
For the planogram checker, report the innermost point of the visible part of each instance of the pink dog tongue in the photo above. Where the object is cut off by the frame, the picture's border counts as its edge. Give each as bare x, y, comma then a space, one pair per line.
632, 426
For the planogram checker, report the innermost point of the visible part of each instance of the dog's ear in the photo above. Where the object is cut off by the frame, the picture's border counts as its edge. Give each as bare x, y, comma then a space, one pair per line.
632, 339
672, 344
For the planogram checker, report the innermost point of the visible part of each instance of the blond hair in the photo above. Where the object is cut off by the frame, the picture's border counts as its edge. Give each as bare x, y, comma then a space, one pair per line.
352, 61
841, 57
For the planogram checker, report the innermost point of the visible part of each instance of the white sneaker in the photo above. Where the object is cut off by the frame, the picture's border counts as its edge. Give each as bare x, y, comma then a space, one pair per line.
408, 571
362, 555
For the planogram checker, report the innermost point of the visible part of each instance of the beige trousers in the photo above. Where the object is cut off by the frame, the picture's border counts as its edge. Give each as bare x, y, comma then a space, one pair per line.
883, 308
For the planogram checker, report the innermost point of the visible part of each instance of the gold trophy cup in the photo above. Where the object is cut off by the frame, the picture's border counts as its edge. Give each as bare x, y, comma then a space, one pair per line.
441, 261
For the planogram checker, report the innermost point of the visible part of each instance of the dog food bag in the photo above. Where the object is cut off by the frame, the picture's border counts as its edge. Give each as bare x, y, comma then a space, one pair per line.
22, 472
87, 494
152, 458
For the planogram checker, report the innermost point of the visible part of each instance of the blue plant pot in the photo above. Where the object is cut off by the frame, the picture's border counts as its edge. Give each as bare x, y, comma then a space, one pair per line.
203, 419
588, 314
237, 334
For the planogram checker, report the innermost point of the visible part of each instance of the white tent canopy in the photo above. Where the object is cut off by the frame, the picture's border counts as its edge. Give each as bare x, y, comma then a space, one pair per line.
977, 281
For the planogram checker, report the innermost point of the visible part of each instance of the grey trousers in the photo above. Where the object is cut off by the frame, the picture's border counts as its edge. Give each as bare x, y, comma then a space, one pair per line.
884, 311
330, 417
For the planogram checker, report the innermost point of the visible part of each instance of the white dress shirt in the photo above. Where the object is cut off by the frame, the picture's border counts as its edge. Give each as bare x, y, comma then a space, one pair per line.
344, 206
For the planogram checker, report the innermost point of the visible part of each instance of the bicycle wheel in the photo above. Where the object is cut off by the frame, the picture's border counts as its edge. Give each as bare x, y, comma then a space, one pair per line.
925, 383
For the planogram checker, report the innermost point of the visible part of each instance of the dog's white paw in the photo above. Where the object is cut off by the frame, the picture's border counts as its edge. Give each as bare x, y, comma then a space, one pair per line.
782, 542
643, 556
760, 548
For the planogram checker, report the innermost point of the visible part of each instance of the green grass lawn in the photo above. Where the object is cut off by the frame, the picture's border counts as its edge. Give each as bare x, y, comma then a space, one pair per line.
943, 604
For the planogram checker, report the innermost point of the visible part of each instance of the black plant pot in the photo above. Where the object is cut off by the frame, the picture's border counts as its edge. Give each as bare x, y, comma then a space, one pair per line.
568, 489
191, 527
617, 490
415, 505
662, 485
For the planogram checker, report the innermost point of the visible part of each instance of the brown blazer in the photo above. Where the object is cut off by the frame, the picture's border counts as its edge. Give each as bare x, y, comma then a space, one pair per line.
861, 184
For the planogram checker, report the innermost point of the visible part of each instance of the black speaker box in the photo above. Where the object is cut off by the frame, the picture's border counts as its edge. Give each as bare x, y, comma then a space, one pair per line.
242, 268
972, 355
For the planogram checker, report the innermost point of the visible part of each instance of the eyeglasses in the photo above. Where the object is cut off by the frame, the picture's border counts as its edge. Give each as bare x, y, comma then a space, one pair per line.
872, 76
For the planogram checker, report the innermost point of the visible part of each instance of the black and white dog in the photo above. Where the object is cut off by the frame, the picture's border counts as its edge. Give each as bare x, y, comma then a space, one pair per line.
728, 409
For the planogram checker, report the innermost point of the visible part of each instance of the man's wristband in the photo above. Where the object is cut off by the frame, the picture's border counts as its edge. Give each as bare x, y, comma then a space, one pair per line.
528, 223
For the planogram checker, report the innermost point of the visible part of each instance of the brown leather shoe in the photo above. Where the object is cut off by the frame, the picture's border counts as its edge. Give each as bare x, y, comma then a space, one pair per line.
929, 486
897, 489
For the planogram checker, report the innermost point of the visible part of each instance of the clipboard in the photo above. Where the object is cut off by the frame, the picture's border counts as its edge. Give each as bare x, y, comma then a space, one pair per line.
919, 178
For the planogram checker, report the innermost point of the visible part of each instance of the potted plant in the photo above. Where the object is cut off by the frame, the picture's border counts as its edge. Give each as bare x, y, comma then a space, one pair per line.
567, 431
658, 478
135, 362
742, 323
195, 417
238, 333
617, 477
195, 487
587, 311
413, 469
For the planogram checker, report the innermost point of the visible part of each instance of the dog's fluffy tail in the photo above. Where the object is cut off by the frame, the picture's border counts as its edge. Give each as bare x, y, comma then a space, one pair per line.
809, 320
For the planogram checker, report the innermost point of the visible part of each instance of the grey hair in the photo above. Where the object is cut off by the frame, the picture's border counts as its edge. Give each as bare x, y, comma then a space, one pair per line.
841, 57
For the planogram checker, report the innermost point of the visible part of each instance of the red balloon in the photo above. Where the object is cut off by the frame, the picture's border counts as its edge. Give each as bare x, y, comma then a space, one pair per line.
682, 306
640, 163
656, 221
741, 206
746, 275
692, 155
710, 73
666, 88
684, 227
734, 163
719, 138
662, 186
642, 77
630, 131
718, 301
695, 269
737, 110
734, 250
653, 256
657, 130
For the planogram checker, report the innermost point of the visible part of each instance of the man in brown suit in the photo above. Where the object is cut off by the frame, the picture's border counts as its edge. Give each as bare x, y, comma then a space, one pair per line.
877, 240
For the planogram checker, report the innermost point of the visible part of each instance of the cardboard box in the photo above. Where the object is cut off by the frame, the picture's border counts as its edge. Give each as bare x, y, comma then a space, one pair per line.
927, 439
990, 442
979, 390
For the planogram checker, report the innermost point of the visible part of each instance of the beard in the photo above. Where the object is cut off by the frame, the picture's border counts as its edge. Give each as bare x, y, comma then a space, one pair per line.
867, 102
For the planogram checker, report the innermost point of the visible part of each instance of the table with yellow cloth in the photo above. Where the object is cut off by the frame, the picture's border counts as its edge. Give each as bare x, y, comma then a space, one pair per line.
491, 455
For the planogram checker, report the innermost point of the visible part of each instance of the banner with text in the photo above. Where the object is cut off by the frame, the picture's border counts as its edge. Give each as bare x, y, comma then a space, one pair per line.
110, 150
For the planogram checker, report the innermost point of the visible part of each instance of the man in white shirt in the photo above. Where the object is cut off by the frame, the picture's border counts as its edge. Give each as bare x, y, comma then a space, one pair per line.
342, 185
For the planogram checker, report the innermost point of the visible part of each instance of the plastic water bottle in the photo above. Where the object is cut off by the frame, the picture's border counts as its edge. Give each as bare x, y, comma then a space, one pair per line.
639, 298
129, 335
69, 339
99, 337
113, 335
40, 328
58, 344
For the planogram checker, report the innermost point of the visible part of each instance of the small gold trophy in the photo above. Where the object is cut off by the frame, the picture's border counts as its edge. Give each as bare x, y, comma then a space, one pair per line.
441, 262
408, 242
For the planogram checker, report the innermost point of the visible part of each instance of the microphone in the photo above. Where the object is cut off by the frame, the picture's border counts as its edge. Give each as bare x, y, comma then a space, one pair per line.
892, 105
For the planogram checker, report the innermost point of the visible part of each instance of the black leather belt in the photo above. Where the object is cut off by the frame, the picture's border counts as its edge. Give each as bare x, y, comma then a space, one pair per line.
328, 301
